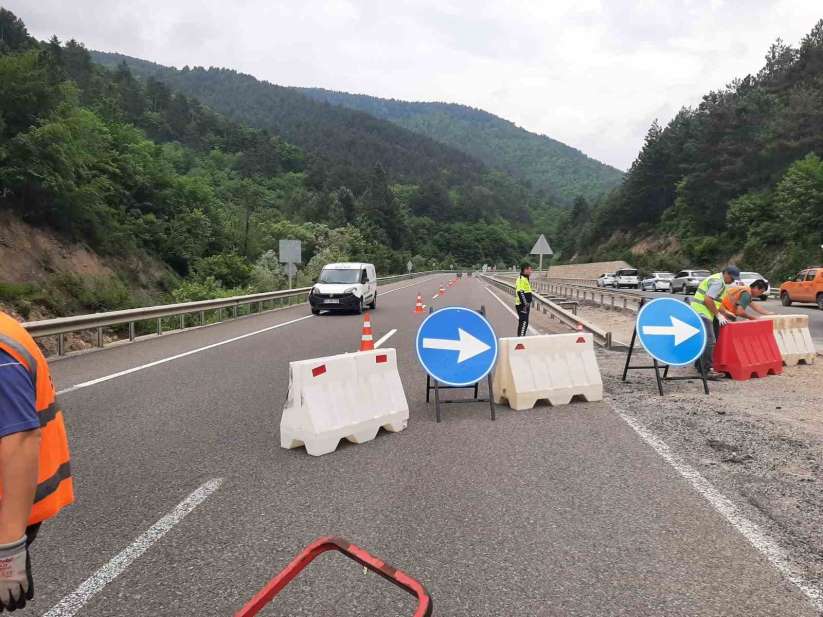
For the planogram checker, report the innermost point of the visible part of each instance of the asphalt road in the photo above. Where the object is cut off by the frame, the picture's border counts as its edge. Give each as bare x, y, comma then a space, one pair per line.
556, 511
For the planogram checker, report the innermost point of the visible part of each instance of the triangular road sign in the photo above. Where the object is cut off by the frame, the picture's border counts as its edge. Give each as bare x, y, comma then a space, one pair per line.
541, 247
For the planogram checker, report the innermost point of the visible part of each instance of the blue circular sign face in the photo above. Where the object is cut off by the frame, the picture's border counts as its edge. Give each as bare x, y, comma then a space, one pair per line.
671, 332
456, 346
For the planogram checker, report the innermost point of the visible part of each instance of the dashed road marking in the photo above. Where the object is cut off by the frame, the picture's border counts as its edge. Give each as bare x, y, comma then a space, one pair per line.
73, 602
385, 337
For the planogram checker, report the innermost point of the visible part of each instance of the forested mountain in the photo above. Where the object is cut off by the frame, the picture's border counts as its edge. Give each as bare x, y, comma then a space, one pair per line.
561, 171
738, 177
345, 144
132, 166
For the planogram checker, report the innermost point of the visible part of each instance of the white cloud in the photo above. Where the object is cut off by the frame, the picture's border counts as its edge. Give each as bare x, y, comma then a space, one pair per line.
591, 73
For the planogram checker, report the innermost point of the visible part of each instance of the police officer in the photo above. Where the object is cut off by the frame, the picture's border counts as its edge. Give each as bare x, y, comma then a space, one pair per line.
34, 458
523, 299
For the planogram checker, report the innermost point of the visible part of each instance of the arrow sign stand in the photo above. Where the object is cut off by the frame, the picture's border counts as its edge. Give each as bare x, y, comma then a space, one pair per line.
433, 384
656, 366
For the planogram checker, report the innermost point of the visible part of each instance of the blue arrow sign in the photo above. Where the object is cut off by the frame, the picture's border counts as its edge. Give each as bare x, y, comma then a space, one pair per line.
670, 331
456, 346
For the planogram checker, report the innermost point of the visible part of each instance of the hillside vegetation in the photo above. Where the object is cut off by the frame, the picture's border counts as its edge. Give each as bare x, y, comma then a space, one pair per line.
562, 172
132, 166
739, 177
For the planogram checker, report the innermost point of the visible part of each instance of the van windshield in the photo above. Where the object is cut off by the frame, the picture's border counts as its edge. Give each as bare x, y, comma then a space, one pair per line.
328, 275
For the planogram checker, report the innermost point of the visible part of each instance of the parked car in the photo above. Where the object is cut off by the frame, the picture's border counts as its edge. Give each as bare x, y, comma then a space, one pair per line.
606, 280
344, 287
807, 286
628, 277
688, 281
747, 278
657, 281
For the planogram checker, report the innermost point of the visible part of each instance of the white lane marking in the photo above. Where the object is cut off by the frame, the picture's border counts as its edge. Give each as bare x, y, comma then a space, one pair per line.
73, 602
758, 538
385, 338
532, 329
134, 369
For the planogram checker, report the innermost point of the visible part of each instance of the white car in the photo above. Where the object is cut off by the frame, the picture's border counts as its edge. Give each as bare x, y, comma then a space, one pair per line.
747, 278
344, 287
606, 280
657, 281
688, 281
628, 277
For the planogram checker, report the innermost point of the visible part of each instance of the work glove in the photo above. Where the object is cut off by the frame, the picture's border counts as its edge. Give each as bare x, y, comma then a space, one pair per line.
721, 319
16, 585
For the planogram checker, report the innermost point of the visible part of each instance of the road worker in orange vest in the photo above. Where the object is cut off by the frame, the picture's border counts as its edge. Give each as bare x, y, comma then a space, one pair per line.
34, 458
738, 298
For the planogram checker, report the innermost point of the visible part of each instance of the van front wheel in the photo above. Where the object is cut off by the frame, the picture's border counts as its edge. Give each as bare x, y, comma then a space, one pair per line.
373, 303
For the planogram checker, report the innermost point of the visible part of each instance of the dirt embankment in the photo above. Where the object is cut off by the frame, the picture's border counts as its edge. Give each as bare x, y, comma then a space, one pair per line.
44, 276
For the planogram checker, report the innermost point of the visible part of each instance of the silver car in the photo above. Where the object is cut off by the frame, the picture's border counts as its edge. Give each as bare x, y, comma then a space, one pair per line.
657, 281
688, 281
606, 280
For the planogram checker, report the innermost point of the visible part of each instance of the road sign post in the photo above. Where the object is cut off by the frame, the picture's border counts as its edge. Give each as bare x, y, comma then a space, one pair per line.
457, 347
541, 247
673, 335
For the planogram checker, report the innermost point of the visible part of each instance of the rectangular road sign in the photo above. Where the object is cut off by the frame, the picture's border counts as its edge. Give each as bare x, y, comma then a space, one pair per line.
291, 252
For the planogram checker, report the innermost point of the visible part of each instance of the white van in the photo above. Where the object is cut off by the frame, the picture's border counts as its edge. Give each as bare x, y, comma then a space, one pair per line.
344, 287
627, 277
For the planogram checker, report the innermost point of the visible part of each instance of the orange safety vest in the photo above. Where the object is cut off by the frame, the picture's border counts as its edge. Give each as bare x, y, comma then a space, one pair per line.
54, 483
733, 297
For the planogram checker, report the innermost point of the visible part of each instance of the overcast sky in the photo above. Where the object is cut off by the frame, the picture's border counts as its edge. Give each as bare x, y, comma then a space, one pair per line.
591, 73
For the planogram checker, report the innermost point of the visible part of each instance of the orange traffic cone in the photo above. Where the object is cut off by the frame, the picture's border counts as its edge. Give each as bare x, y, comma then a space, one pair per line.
442, 290
366, 340
418, 308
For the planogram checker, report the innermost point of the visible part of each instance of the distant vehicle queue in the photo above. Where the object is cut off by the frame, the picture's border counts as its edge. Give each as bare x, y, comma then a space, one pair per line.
804, 288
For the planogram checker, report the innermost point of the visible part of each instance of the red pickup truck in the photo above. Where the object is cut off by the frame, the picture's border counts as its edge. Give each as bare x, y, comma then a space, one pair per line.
807, 286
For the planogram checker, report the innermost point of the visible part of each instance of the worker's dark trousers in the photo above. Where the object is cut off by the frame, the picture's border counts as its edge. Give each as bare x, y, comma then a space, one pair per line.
522, 320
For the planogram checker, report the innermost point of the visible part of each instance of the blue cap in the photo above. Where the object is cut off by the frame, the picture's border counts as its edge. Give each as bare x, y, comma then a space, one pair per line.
732, 271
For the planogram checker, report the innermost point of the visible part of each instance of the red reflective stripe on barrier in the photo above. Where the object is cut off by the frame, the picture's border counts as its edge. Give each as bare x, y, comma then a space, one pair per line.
519, 346
381, 359
318, 370
330, 543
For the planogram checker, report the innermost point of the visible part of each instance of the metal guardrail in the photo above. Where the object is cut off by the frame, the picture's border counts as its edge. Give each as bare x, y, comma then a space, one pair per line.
61, 326
601, 336
607, 298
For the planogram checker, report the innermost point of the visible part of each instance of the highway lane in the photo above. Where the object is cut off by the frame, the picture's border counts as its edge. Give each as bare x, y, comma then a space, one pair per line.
559, 511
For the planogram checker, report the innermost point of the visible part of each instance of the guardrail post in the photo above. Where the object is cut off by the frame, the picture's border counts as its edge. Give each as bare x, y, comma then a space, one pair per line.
624, 302
612, 302
61, 345
99, 337
131, 331
234, 311
202, 318
608, 340
159, 326
182, 321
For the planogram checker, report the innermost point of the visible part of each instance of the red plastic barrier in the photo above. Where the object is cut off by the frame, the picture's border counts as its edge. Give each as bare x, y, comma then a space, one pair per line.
331, 543
748, 349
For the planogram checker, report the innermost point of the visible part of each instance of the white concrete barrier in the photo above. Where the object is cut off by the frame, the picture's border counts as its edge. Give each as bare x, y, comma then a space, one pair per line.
553, 367
349, 396
793, 338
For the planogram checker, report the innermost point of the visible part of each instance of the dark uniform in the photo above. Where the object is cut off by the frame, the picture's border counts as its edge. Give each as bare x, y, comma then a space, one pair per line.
522, 302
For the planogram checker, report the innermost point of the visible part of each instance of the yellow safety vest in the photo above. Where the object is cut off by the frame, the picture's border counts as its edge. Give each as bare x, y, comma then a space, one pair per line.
700, 295
523, 284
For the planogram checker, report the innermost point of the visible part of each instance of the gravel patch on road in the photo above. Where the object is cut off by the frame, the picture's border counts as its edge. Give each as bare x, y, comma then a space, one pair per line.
760, 442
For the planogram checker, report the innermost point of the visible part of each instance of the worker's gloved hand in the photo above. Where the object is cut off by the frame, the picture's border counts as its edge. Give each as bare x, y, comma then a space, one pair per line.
15, 575
721, 319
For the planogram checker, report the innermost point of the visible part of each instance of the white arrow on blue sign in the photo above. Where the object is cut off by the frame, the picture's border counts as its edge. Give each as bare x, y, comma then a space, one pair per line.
670, 331
456, 346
